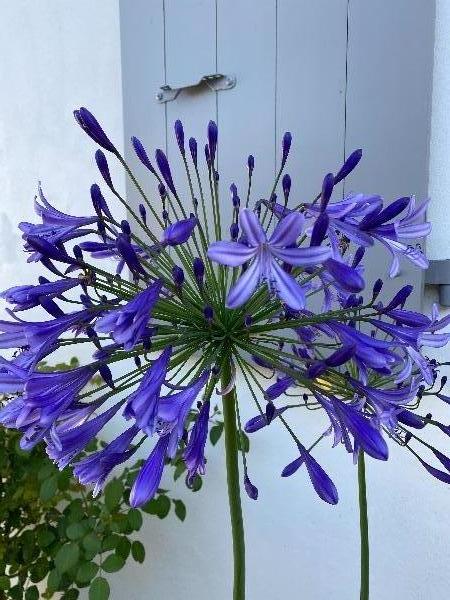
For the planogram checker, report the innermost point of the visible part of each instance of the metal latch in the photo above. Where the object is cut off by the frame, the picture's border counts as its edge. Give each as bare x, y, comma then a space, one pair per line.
216, 82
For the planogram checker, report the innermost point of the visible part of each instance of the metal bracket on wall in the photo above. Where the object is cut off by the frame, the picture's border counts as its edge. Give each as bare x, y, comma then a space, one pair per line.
216, 82
438, 273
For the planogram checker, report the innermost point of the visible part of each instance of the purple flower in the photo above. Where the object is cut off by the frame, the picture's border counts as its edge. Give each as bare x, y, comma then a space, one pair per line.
91, 126
14, 373
179, 232
142, 405
173, 411
149, 477
64, 443
322, 483
194, 453
103, 167
142, 154
212, 141
264, 267
179, 134
28, 296
286, 146
348, 166
163, 166
127, 324
95, 468
193, 150
251, 490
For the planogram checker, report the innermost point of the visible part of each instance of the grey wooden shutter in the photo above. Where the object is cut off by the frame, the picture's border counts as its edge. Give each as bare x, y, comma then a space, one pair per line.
339, 75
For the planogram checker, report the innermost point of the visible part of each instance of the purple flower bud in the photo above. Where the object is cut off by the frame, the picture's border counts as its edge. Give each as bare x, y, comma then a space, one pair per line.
199, 269
137, 361
270, 412
286, 145
286, 183
178, 275
102, 165
327, 190
106, 375
234, 231
163, 166
91, 126
359, 254
248, 320
125, 227
207, 156
193, 149
212, 141
252, 490
251, 164
99, 202
179, 133
165, 215
377, 289
179, 232
348, 166
320, 229
236, 201
78, 253
142, 154
233, 189
162, 190
209, 313
143, 213
400, 298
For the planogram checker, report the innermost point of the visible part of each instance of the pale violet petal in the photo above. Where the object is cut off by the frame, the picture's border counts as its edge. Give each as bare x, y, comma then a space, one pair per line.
288, 289
245, 286
231, 254
251, 226
302, 256
287, 230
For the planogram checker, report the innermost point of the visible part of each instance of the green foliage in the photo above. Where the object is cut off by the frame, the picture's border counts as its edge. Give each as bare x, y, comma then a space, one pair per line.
55, 537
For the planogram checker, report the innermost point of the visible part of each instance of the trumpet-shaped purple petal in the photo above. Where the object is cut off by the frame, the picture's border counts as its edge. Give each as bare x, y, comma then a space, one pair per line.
325, 488
127, 324
287, 230
149, 477
245, 286
179, 232
194, 453
142, 404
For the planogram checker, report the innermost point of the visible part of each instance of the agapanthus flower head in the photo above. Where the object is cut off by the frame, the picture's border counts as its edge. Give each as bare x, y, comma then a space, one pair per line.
193, 299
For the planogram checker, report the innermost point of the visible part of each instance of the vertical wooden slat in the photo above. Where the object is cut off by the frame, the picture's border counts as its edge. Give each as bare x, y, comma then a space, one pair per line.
390, 65
311, 89
190, 54
142, 40
246, 48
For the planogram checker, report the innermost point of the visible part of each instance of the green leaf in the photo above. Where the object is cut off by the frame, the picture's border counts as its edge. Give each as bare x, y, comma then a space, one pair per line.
4, 582
45, 537
123, 547
138, 551
32, 593
179, 470
110, 542
75, 531
243, 442
135, 519
45, 472
86, 572
99, 589
113, 493
159, 506
48, 489
113, 563
215, 433
92, 543
67, 557
53, 581
71, 594
180, 509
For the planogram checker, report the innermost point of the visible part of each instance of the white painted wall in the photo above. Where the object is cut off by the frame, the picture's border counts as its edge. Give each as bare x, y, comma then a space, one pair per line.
57, 55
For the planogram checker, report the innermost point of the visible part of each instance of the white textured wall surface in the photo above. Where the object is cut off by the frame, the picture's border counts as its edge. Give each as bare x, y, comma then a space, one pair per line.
438, 244
56, 55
